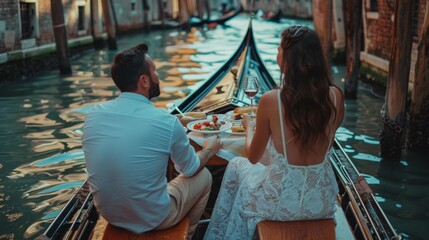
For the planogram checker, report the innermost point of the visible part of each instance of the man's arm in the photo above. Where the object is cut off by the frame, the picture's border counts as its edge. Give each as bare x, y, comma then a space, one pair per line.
211, 146
183, 154
204, 155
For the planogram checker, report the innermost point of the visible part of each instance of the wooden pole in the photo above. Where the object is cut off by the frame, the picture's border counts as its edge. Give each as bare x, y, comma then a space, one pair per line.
418, 132
323, 16
327, 41
191, 7
353, 26
97, 38
115, 19
208, 10
111, 31
183, 13
60, 34
200, 9
161, 11
146, 15
394, 116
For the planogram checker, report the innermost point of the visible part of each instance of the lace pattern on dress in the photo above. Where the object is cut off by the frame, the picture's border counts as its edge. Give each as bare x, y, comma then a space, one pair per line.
276, 191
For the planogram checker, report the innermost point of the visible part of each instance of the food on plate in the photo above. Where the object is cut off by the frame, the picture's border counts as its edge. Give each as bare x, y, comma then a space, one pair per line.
213, 125
246, 109
238, 128
238, 112
236, 116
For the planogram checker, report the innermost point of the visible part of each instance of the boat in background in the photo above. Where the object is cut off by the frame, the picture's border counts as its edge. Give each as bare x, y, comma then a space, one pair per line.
193, 21
358, 213
285, 8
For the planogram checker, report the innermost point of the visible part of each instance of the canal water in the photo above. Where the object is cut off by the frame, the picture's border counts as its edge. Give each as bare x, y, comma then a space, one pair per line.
41, 158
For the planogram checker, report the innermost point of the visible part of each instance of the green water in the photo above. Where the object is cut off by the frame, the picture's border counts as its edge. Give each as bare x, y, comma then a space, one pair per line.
41, 160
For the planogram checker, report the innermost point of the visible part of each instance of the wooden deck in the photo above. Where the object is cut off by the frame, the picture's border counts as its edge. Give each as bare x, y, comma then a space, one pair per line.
289, 230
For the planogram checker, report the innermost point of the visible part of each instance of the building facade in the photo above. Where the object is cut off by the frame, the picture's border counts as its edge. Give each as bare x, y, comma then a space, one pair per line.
27, 24
378, 26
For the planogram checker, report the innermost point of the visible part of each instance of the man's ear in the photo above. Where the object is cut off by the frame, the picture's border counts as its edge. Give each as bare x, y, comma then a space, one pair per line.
144, 81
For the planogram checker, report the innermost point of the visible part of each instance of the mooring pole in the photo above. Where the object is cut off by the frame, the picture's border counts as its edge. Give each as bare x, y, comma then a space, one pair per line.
394, 117
60, 34
353, 26
110, 28
418, 133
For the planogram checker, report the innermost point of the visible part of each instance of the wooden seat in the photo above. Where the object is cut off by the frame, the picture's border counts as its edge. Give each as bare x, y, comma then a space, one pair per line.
282, 230
179, 232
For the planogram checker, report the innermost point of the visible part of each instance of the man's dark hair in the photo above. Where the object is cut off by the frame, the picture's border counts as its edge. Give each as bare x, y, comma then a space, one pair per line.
128, 66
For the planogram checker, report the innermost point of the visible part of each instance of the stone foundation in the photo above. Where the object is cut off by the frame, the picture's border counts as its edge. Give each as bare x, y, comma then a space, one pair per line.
30, 67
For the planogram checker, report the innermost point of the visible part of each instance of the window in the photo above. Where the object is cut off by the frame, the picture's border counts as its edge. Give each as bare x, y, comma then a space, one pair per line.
81, 18
28, 19
373, 6
133, 7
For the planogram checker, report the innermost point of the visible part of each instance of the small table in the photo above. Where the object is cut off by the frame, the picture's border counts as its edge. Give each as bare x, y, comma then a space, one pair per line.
232, 146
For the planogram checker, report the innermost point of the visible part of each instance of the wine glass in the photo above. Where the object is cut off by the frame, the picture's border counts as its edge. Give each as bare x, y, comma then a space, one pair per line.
251, 88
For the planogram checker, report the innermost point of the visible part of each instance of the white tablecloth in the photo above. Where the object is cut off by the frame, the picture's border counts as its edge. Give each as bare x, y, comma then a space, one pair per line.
232, 145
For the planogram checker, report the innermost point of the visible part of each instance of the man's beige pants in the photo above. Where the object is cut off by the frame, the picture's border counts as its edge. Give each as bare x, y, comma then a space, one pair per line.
189, 197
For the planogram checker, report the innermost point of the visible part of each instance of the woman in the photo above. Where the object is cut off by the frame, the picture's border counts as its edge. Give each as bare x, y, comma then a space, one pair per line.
295, 126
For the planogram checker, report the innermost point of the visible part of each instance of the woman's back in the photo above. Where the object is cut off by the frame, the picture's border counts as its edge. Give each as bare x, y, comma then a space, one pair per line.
295, 125
294, 154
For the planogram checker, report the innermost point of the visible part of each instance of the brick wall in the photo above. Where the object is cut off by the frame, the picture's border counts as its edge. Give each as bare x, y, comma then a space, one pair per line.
45, 23
379, 34
380, 29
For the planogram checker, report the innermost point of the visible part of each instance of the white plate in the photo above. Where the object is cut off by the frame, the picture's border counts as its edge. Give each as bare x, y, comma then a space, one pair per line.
223, 128
229, 115
235, 133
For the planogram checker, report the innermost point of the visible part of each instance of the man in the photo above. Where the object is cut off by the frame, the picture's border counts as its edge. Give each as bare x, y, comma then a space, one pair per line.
127, 144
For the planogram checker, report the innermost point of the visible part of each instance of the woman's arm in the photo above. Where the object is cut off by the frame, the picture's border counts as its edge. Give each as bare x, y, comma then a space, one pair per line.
257, 138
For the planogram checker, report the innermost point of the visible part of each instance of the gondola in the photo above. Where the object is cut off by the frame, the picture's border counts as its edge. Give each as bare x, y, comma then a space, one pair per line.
193, 22
360, 215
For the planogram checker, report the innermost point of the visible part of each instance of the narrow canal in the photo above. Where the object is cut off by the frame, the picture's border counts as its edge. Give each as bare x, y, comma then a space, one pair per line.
41, 158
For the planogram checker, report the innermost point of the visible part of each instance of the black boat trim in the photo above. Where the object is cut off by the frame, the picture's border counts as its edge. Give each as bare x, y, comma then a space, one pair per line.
252, 62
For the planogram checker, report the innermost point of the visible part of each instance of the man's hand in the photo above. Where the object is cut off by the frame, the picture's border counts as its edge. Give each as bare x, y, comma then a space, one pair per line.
185, 120
213, 143
211, 146
190, 116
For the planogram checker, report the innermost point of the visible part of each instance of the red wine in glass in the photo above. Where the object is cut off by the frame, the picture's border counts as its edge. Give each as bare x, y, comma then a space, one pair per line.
251, 88
251, 92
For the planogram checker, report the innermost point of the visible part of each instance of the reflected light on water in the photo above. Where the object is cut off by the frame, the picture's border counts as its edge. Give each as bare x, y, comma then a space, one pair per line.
41, 154
366, 157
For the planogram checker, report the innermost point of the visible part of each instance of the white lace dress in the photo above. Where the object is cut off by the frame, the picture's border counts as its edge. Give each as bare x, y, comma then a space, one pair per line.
278, 191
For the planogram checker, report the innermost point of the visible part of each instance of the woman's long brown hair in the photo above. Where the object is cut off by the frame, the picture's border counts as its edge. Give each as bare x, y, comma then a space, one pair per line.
305, 86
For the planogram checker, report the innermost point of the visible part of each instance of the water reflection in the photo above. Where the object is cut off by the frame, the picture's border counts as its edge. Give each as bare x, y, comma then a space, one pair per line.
40, 129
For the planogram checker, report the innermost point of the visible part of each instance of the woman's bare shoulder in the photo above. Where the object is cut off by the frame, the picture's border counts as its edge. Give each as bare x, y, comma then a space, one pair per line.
339, 98
270, 95
338, 92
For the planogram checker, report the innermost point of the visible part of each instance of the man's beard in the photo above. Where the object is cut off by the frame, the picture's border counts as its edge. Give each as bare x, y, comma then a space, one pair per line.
154, 90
